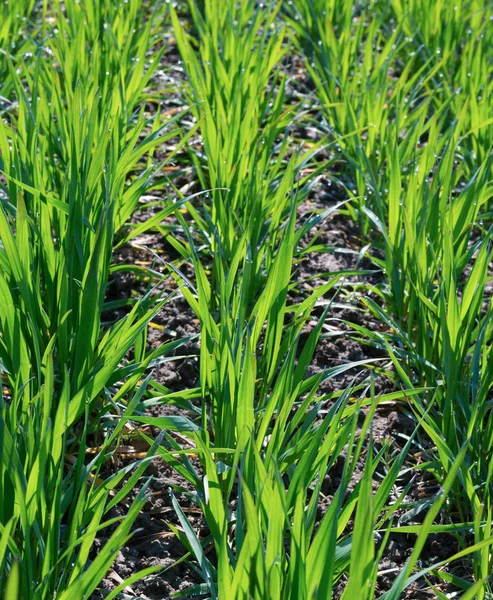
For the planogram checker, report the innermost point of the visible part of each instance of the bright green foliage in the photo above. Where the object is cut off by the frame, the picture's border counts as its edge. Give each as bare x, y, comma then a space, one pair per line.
66, 157
258, 403
408, 80
268, 515
250, 223
249, 370
15, 16
402, 104
50, 515
238, 94
256, 400
381, 71
73, 169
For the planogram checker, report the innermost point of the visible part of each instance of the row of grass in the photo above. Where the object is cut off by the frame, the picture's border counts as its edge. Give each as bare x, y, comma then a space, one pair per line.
401, 105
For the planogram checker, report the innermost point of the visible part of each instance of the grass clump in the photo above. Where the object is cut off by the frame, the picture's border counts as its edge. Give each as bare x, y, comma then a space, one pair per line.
395, 98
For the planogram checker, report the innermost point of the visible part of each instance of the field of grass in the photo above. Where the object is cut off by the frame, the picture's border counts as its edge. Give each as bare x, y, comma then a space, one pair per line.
246, 316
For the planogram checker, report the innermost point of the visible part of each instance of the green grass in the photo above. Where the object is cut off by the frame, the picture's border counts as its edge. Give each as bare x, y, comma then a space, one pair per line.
400, 121
71, 158
422, 181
